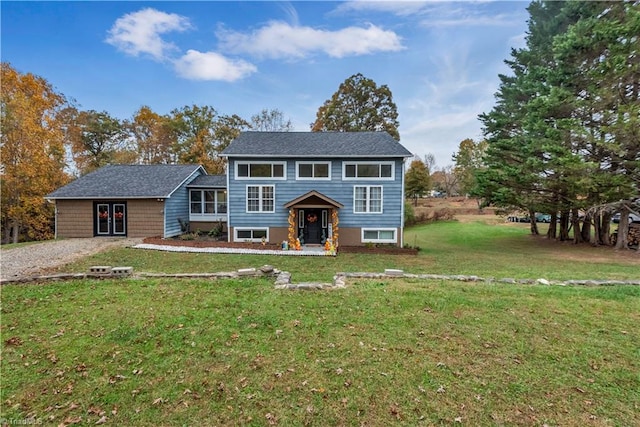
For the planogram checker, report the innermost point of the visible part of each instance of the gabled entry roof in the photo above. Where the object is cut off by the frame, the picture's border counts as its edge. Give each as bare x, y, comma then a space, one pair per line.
128, 182
313, 199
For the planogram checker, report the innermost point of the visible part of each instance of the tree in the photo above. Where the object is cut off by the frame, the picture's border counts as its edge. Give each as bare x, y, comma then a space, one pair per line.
564, 133
359, 105
270, 121
201, 134
445, 181
468, 162
430, 161
100, 140
152, 136
33, 153
417, 180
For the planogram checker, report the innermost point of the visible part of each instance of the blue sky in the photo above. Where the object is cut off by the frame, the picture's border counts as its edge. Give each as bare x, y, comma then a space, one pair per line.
440, 59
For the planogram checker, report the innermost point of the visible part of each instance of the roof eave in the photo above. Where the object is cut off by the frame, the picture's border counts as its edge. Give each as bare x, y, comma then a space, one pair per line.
106, 197
323, 156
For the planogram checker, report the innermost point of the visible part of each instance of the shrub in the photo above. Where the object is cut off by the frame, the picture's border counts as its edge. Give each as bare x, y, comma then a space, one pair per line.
216, 231
409, 214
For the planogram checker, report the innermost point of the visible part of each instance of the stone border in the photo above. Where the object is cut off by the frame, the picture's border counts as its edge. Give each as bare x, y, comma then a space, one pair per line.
283, 278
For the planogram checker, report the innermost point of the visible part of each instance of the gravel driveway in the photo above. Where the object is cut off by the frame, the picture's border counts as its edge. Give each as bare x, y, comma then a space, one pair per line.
36, 258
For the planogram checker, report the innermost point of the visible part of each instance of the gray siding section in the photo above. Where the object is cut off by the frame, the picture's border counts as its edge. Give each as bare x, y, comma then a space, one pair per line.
338, 189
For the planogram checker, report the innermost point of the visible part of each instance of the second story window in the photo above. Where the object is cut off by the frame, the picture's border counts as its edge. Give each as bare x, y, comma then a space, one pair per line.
368, 170
313, 170
260, 170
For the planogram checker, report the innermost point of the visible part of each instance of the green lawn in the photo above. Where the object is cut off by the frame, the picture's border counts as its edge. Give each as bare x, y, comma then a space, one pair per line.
397, 351
499, 251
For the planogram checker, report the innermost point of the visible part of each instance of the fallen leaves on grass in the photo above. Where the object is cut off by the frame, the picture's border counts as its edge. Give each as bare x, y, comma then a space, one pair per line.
13, 341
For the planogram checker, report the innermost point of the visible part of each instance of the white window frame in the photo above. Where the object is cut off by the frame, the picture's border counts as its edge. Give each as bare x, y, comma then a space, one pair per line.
202, 216
378, 178
368, 210
249, 163
252, 238
260, 199
379, 240
313, 178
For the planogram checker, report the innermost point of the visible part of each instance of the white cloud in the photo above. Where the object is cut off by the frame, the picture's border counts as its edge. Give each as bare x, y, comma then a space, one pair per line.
139, 32
196, 65
281, 40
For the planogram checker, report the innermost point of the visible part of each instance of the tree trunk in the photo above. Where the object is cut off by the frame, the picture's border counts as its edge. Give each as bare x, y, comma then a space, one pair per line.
564, 226
553, 226
585, 232
575, 223
534, 224
605, 229
623, 229
15, 232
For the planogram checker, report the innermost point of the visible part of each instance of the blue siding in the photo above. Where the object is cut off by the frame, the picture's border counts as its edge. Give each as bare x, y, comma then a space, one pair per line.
177, 206
337, 189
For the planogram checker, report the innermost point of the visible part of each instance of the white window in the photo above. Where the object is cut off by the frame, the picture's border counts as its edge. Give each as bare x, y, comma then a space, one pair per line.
261, 170
260, 198
368, 170
379, 235
367, 199
250, 234
313, 170
207, 205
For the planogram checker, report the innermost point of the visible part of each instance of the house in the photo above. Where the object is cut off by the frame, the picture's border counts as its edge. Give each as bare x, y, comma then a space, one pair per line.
126, 200
306, 185
279, 186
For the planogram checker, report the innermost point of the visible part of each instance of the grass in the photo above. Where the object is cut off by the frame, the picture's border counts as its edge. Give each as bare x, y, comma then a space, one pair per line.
478, 248
378, 352
397, 351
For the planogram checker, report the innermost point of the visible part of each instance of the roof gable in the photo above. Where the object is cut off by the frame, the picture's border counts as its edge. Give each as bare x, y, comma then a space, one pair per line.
316, 144
313, 199
209, 181
128, 182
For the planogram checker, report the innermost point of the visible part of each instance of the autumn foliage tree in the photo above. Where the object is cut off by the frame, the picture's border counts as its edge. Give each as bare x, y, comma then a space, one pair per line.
33, 154
468, 162
201, 135
152, 136
359, 105
417, 180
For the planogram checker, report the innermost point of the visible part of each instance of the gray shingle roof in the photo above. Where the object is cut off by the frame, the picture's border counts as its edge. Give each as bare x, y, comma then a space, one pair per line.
128, 181
209, 181
316, 144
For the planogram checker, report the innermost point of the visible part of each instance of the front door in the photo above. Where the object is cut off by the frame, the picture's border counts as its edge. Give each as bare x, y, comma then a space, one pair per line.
110, 219
313, 225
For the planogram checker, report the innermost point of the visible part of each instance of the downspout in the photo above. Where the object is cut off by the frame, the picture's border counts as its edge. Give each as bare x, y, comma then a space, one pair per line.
228, 201
55, 220
402, 207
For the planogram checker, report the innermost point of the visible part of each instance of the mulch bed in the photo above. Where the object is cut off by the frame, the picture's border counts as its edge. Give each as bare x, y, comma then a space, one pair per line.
204, 243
